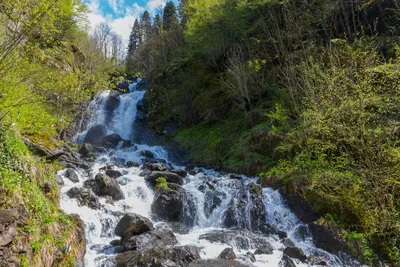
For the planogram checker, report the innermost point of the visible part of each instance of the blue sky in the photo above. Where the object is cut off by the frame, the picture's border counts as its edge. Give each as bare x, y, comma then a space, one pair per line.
120, 14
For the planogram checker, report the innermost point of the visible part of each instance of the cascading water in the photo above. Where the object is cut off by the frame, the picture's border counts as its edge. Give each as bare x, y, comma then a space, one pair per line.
209, 197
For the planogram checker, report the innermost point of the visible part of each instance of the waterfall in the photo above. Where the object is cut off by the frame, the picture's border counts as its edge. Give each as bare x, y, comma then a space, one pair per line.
209, 197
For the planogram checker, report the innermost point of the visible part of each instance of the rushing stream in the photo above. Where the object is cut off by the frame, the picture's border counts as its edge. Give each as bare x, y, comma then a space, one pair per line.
200, 216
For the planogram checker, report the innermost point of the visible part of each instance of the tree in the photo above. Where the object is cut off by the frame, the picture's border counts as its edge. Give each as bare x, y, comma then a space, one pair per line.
158, 24
145, 24
134, 38
170, 17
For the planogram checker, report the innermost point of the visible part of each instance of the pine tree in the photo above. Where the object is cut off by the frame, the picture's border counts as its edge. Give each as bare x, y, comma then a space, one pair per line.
135, 37
170, 17
145, 24
157, 26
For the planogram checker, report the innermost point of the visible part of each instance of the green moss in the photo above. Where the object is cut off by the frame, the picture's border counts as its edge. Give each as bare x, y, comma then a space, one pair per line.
161, 182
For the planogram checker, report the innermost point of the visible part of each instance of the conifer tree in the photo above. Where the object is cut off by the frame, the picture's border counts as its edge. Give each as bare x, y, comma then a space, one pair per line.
135, 37
145, 25
170, 17
157, 25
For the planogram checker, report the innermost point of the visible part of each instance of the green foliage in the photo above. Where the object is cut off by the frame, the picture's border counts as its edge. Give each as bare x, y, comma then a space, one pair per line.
161, 182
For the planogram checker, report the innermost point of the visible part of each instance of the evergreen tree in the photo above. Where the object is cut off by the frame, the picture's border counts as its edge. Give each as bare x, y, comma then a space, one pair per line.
145, 24
170, 17
135, 37
157, 26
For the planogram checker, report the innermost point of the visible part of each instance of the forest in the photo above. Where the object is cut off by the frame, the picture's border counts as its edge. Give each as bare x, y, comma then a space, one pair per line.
304, 94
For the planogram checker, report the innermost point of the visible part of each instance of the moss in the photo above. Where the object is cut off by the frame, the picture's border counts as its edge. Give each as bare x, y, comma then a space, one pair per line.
161, 182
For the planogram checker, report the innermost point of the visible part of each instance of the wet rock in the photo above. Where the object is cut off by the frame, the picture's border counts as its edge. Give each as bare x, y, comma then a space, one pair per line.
102, 185
142, 85
181, 173
313, 261
113, 174
118, 161
158, 238
147, 154
217, 263
234, 176
71, 175
123, 86
247, 201
158, 257
86, 150
111, 141
126, 143
168, 204
141, 105
264, 249
60, 180
140, 116
286, 262
115, 242
112, 102
269, 229
287, 242
301, 232
242, 239
171, 177
84, 197
249, 257
155, 166
295, 253
131, 164
301, 208
213, 200
133, 223
227, 254
179, 227
325, 239
95, 134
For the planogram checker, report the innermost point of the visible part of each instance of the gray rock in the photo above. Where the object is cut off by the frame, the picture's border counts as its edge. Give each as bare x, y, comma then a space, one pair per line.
131, 164
325, 239
95, 134
111, 141
113, 174
249, 257
112, 102
171, 177
264, 249
168, 204
295, 253
227, 254
286, 262
133, 223
84, 197
102, 185
71, 175
158, 238
242, 239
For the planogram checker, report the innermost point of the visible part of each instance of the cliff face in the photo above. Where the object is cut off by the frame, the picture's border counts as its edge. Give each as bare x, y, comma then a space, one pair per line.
33, 230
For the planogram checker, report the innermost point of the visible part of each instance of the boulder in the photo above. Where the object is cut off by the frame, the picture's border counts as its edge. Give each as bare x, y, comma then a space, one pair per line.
147, 154
133, 223
102, 185
325, 239
112, 102
242, 239
115, 242
249, 257
302, 209
71, 175
287, 242
60, 180
158, 257
141, 105
181, 173
140, 116
95, 134
168, 204
113, 174
171, 177
84, 197
264, 249
155, 166
295, 253
123, 86
227, 254
86, 150
269, 229
142, 85
159, 238
246, 202
213, 200
286, 262
111, 140
217, 263
131, 164
47, 187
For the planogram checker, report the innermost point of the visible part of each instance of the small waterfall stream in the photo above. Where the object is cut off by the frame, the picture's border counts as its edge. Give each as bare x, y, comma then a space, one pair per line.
210, 197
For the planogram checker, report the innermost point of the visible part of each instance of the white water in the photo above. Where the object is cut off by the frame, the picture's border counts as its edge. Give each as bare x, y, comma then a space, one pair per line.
100, 224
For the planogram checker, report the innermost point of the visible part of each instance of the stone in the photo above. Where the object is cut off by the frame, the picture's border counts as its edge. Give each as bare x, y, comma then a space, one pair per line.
84, 197
158, 238
295, 253
171, 177
242, 239
47, 187
269, 229
302, 209
286, 262
217, 263
131, 164
168, 204
264, 249
111, 141
102, 185
155, 166
71, 175
227, 254
95, 134
325, 239
158, 257
133, 223
287, 242
115, 242
249, 257
113, 173
112, 102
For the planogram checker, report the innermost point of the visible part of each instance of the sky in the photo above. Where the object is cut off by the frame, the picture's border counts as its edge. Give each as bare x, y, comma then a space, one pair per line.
120, 14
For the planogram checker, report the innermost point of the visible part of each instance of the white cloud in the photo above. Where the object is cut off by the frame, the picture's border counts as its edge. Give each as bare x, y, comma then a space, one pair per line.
153, 5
